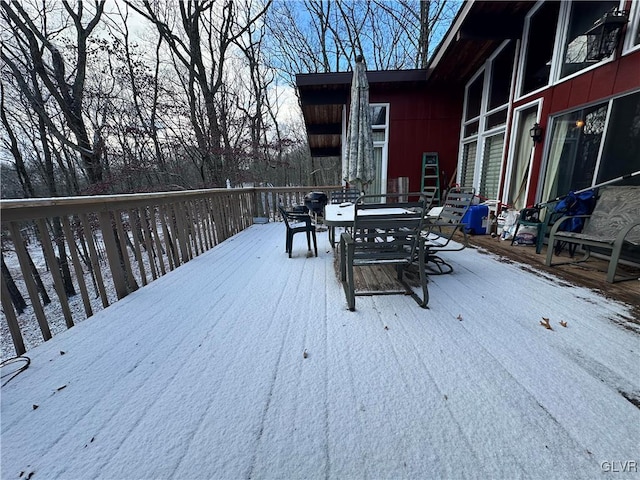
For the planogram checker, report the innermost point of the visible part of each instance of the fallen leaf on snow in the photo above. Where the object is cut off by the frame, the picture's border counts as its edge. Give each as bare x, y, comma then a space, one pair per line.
545, 323
564, 324
305, 354
459, 317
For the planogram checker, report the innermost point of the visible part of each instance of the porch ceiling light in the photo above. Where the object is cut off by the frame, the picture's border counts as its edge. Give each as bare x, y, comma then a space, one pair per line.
536, 133
604, 35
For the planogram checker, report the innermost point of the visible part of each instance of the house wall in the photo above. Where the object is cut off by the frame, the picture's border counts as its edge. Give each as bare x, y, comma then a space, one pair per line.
611, 79
421, 120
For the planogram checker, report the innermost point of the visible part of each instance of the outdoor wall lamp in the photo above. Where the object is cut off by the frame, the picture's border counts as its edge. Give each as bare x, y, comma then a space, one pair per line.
536, 133
604, 35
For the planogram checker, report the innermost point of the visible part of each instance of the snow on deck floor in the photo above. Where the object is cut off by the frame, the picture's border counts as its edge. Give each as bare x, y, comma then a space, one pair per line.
201, 374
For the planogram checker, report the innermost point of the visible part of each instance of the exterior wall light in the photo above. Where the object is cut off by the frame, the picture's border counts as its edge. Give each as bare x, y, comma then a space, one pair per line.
604, 35
536, 133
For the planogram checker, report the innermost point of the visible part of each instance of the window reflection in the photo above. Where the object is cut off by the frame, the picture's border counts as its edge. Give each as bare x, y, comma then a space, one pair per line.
378, 115
576, 49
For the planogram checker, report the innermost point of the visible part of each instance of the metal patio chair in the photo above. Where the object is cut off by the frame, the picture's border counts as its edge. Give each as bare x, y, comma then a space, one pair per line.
438, 233
385, 234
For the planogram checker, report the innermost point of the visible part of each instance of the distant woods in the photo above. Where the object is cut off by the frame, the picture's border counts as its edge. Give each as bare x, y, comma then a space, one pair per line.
139, 95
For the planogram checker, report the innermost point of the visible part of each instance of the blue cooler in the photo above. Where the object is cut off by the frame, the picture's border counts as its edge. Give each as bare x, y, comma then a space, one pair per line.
476, 219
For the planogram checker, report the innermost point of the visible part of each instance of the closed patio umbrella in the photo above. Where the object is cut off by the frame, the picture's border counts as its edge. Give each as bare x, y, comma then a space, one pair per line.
357, 163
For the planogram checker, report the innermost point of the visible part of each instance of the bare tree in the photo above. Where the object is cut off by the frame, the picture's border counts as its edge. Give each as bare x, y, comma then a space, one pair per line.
199, 39
325, 36
35, 53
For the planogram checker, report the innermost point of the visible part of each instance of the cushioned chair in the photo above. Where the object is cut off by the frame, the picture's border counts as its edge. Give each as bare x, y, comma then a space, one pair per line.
296, 223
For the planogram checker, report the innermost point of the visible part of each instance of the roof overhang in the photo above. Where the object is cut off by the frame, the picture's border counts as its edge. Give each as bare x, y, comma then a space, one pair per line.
323, 97
478, 29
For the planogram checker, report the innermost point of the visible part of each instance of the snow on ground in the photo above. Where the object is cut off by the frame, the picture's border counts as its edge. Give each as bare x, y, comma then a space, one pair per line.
32, 335
203, 374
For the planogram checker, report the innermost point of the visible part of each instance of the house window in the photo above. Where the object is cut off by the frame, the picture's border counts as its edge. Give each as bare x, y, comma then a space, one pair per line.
621, 153
469, 151
378, 116
633, 28
538, 51
593, 145
501, 77
521, 156
474, 97
483, 130
576, 49
491, 164
379, 130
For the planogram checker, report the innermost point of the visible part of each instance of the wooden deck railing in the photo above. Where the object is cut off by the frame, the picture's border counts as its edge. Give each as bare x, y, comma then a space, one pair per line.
139, 237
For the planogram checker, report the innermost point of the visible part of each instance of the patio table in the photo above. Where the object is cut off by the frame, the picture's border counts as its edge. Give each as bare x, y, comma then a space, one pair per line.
342, 215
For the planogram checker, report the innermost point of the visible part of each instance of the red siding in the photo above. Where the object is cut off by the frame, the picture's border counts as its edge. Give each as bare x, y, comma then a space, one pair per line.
601, 84
579, 89
428, 119
628, 74
559, 96
420, 121
611, 79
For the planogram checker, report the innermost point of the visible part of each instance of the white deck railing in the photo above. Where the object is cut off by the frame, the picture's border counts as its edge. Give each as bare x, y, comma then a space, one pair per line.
140, 237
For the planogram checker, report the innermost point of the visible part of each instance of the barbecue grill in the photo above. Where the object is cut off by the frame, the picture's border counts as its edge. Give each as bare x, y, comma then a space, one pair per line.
315, 202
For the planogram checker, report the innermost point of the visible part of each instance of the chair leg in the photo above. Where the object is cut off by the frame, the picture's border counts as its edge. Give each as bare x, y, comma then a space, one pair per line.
343, 259
423, 276
515, 233
290, 243
315, 241
613, 262
308, 240
346, 273
540, 237
350, 286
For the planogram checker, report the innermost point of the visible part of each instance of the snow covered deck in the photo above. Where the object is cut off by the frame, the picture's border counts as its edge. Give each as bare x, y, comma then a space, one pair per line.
246, 364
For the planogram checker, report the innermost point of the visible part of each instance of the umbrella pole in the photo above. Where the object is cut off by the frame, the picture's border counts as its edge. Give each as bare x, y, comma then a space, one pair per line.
613, 180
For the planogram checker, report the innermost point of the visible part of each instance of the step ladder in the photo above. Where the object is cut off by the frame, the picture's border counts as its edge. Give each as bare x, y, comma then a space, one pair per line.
431, 174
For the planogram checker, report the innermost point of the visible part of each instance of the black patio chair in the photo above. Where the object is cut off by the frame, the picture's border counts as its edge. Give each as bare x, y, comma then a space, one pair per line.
296, 223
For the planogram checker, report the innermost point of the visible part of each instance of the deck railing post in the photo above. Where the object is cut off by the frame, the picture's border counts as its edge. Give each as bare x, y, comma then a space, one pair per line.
111, 246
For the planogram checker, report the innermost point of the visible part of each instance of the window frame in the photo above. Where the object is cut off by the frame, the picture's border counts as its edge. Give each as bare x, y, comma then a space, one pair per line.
524, 50
608, 102
483, 133
384, 144
513, 141
633, 28
557, 58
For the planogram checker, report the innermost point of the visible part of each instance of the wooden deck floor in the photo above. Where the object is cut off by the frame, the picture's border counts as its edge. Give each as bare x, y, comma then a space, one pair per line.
244, 363
590, 274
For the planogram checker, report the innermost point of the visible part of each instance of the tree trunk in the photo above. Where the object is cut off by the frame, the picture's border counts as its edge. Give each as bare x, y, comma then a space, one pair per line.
16, 297
36, 276
63, 262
